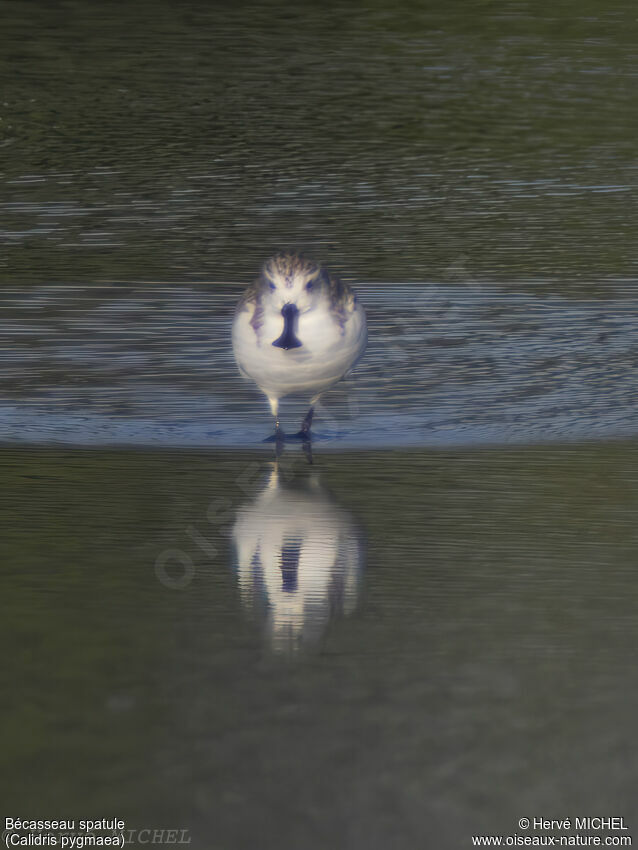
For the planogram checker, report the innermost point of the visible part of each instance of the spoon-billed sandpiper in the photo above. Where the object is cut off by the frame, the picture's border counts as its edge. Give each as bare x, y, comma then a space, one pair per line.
297, 331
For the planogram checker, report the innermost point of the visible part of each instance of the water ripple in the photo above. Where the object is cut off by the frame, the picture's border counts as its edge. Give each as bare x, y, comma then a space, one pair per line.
152, 364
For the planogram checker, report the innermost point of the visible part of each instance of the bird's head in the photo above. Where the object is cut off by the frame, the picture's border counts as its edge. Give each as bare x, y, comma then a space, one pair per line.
291, 284
290, 278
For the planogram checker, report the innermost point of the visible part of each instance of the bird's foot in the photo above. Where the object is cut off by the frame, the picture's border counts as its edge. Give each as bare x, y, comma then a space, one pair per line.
305, 436
307, 422
278, 435
278, 438
302, 436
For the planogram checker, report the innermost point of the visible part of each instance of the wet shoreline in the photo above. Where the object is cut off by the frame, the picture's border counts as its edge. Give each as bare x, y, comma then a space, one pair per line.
148, 366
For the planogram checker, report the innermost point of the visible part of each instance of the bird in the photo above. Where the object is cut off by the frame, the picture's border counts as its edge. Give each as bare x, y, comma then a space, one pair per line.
297, 330
299, 558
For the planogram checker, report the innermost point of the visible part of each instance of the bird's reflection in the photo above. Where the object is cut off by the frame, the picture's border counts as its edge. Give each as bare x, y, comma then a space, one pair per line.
299, 558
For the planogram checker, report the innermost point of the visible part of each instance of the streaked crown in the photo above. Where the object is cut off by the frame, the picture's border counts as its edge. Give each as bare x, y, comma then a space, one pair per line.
288, 269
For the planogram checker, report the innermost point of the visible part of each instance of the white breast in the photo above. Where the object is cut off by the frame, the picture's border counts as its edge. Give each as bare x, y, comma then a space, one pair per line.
327, 352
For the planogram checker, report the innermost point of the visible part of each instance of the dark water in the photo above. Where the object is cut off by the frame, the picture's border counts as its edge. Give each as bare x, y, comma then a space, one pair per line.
189, 140
431, 631
476, 664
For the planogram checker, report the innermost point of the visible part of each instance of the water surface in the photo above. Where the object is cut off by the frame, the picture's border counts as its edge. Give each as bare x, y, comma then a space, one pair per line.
152, 364
188, 141
486, 655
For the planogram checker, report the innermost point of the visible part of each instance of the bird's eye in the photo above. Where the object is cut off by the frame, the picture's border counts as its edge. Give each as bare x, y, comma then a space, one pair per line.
310, 285
272, 287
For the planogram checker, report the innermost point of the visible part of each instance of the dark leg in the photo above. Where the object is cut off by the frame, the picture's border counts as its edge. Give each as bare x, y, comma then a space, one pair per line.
305, 425
306, 436
278, 438
306, 446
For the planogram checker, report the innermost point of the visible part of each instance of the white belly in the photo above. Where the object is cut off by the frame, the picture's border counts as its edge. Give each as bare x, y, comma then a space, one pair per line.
327, 351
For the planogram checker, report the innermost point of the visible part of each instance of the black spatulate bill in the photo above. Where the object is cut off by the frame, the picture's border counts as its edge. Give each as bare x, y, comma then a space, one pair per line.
288, 339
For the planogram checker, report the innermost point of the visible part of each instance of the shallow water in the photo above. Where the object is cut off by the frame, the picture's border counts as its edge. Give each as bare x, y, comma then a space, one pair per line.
445, 366
429, 632
480, 653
